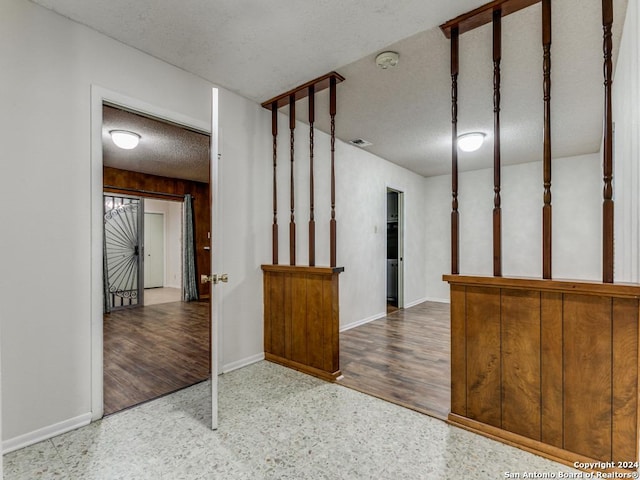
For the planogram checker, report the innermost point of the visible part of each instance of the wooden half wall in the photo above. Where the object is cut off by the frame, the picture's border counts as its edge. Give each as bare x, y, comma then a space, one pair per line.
301, 318
549, 366
301, 306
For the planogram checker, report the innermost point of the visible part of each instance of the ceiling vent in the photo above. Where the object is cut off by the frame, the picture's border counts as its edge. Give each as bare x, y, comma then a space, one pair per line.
359, 142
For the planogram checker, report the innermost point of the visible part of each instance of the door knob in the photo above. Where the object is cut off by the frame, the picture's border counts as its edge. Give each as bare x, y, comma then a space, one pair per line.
215, 278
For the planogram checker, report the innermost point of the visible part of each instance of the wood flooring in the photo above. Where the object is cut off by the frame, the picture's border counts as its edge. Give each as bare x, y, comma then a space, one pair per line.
150, 351
403, 358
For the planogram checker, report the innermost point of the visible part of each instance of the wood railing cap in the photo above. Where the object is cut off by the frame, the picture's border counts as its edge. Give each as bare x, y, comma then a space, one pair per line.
302, 91
483, 15
301, 269
559, 285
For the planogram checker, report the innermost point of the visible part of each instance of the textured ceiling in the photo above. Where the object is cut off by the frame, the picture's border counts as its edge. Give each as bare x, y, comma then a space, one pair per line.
261, 49
255, 47
164, 149
406, 111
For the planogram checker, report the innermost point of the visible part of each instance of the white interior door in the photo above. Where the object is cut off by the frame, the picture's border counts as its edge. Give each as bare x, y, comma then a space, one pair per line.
153, 250
216, 259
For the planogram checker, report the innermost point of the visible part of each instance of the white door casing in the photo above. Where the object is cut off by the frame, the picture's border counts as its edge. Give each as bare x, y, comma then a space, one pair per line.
100, 95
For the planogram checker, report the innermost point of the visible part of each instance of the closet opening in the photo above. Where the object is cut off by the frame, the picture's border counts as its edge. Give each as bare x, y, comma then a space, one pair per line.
395, 271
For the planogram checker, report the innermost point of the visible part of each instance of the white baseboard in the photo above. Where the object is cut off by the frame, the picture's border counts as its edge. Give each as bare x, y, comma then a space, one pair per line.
45, 433
438, 300
357, 323
426, 299
229, 367
416, 302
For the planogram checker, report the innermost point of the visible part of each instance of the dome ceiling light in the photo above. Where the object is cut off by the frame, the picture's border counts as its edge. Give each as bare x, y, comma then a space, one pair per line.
125, 139
470, 142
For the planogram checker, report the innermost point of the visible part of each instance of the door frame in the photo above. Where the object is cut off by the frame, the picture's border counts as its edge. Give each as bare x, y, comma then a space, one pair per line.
401, 227
99, 96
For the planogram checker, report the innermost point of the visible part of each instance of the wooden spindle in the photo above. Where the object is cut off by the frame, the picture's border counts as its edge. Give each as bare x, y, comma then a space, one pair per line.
332, 223
309, 89
292, 222
312, 222
455, 217
497, 213
607, 204
546, 209
274, 227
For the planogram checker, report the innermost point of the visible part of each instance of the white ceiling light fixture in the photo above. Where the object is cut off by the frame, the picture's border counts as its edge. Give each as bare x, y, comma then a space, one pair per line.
470, 142
125, 139
387, 59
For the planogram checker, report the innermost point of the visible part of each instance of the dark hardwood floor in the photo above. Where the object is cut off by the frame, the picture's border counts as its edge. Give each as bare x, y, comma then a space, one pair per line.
150, 351
403, 358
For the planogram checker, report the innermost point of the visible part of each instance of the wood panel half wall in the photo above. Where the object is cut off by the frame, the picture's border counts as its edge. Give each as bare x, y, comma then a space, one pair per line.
549, 366
301, 308
301, 318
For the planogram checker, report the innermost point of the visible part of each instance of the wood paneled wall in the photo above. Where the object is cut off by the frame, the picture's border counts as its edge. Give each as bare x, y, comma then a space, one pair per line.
201, 207
550, 366
301, 318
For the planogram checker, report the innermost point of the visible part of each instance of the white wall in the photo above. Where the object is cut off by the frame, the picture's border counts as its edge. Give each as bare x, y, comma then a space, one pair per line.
626, 115
50, 65
172, 212
362, 181
361, 202
361, 195
576, 249
245, 170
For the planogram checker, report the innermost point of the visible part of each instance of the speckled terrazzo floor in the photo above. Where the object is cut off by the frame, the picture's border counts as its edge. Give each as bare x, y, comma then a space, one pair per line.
275, 423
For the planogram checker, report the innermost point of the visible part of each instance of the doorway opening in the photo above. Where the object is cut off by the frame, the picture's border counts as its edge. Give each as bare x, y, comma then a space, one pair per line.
157, 238
122, 258
395, 250
404, 356
162, 252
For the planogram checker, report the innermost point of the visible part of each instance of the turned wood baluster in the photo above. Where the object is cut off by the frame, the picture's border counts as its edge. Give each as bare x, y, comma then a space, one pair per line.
607, 204
455, 217
274, 228
546, 209
312, 222
497, 214
332, 223
292, 222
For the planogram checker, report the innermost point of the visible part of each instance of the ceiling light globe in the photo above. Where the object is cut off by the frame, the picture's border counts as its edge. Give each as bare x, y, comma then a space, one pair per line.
125, 139
470, 142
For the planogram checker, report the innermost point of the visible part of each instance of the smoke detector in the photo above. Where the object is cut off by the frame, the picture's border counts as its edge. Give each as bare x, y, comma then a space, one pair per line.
387, 59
